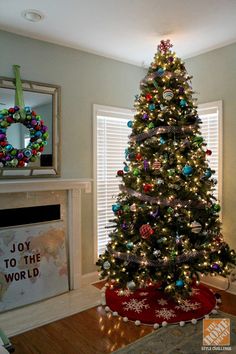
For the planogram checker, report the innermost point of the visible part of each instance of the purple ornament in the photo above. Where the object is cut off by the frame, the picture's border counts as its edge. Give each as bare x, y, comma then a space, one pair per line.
34, 122
124, 226
171, 59
145, 116
155, 214
2, 136
181, 90
20, 155
215, 267
8, 158
145, 165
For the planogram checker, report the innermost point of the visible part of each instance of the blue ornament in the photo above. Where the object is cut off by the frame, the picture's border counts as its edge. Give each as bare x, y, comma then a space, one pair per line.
208, 173
126, 169
179, 283
183, 103
38, 134
160, 72
187, 170
27, 153
130, 124
162, 140
116, 207
152, 106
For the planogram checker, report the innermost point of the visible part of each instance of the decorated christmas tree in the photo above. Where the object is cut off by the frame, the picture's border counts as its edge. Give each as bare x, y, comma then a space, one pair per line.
166, 227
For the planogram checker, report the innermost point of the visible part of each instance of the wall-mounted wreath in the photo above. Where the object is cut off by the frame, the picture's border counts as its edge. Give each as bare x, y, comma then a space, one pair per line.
9, 155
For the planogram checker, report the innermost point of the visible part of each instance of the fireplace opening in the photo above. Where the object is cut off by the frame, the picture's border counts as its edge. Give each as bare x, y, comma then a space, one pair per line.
29, 215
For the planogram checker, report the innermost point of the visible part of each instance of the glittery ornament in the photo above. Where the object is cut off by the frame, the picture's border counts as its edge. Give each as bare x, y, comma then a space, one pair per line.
129, 245
106, 265
162, 140
168, 94
183, 103
146, 231
196, 227
164, 46
156, 253
116, 207
151, 106
156, 165
160, 72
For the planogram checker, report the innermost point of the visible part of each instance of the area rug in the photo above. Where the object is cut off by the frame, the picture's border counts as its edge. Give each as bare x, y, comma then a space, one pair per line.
152, 306
180, 340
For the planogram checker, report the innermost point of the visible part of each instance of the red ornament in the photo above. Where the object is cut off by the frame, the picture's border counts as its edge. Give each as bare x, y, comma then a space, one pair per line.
120, 173
11, 110
147, 187
34, 152
3, 143
148, 97
21, 163
1, 155
138, 156
10, 120
33, 113
38, 127
208, 152
146, 231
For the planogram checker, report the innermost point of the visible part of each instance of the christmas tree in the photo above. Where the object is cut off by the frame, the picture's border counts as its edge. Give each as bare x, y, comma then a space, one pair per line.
166, 228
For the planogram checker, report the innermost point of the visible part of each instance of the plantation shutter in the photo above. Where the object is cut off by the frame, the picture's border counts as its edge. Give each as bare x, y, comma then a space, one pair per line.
210, 129
112, 138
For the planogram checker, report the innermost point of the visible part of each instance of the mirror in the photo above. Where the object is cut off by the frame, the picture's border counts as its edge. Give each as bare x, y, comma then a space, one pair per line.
44, 99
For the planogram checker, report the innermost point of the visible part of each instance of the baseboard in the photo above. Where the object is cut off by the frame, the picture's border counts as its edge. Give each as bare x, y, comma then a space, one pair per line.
219, 283
89, 278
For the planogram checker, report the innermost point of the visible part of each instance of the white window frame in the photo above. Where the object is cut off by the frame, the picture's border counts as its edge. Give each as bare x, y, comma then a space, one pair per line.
216, 107
100, 110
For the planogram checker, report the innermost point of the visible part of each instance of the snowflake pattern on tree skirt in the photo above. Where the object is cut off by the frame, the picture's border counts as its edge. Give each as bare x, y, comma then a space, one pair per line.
187, 305
135, 305
162, 302
165, 313
125, 292
143, 293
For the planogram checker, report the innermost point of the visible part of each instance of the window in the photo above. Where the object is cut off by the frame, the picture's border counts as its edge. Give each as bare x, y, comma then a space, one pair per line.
110, 141
211, 128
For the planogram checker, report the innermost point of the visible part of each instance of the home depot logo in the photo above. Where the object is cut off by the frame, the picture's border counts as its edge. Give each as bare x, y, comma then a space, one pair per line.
216, 332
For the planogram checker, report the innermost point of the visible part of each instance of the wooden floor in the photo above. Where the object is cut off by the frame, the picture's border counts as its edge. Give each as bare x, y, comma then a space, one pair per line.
90, 332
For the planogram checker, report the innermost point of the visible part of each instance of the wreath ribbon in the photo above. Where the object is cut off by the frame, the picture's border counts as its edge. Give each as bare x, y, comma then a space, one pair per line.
19, 98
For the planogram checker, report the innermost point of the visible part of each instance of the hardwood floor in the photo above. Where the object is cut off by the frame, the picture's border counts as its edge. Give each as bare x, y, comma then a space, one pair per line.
91, 332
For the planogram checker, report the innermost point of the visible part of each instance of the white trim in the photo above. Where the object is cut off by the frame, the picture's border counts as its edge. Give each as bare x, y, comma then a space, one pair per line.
219, 283
89, 278
101, 110
218, 105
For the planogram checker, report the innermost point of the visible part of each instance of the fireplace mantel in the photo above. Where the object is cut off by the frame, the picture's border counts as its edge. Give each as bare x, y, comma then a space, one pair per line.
44, 184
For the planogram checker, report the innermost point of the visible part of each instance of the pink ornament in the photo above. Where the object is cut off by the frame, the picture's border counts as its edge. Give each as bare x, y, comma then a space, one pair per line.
156, 165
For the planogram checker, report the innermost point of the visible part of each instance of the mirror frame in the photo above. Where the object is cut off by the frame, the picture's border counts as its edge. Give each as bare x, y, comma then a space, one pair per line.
34, 171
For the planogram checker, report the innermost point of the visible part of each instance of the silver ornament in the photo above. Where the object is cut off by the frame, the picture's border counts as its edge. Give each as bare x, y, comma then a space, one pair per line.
106, 265
196, 227
131, 285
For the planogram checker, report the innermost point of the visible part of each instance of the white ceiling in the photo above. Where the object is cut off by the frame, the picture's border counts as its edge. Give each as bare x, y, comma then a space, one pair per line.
127, 30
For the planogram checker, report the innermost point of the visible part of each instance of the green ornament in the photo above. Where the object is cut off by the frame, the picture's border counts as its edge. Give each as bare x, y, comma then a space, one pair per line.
151, 125
28, 117
216, 208
136, 172
4, 111
13, 152
126, 207
16, 116
33, 159
4, 124
173, 255
171, 172
14, 162
45, 135
38, 117
170, 210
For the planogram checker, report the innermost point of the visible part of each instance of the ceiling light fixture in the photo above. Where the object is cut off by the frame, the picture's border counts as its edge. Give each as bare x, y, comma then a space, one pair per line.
32, 15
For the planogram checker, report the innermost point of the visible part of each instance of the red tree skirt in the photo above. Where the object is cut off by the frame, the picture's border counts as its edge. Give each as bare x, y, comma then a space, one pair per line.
151, 305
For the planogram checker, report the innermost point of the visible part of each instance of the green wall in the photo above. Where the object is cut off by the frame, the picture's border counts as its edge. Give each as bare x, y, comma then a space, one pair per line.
85, 79
214, 78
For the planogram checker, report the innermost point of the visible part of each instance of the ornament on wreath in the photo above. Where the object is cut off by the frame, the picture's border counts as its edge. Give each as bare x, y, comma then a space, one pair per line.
146, 231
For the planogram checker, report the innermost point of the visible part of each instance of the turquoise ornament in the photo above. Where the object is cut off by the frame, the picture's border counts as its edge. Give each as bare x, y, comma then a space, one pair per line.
160, 72
179, 283
208, 173
28, 109
126, 169
9, 147
115, 207
183, 103
162, 141
27, 153
130, 124
129, 245
187, 170
151, 106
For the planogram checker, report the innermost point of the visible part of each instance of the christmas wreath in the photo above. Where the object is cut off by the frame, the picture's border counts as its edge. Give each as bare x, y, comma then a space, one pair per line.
9, 155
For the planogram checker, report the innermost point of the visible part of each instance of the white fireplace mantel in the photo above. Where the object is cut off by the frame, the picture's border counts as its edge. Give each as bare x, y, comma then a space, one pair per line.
74, 188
